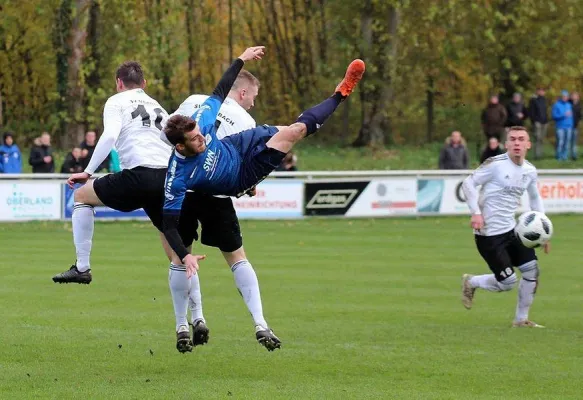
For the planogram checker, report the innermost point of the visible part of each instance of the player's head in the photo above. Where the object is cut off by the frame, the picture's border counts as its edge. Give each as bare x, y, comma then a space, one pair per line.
184, 133
245, 89
517, 143
129, 76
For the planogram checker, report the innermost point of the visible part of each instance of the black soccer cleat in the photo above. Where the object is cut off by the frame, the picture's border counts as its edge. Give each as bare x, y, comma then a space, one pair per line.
72, 275
200, 333
183, 342
267, 338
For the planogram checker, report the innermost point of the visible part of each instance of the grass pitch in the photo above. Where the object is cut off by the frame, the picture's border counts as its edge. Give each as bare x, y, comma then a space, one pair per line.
366, 309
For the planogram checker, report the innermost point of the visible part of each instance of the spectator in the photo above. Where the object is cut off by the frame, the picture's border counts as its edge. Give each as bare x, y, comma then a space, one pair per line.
73, 162
454, 154
517, 112
41, 155
576, 105
537, 112
492, 150
87, 149
10, 156
563, 115
494, 118
289, 163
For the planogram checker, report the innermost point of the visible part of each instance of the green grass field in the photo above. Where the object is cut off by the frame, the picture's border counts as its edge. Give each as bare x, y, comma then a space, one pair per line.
367, 309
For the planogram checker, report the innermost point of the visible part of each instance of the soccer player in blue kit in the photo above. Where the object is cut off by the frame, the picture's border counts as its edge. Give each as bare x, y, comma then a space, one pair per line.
230, 166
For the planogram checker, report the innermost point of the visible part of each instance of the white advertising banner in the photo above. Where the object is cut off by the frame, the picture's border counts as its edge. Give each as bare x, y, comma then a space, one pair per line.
385, 197
561, 193
275, 198
23, 201
445, 196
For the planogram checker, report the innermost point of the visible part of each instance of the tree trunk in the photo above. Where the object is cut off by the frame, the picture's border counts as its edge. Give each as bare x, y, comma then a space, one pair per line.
75, 88
93, 32
363, 138
430, 106
376, 123
61, 31
191, 41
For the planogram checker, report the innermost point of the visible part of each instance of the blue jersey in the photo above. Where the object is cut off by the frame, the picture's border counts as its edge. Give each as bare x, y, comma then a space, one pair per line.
214, 171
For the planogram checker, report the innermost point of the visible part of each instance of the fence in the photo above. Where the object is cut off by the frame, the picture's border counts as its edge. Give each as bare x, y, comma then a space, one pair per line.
25, 197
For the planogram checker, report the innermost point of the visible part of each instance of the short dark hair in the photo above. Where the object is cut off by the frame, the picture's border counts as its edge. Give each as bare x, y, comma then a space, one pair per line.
246, 77
176, 127
131, 74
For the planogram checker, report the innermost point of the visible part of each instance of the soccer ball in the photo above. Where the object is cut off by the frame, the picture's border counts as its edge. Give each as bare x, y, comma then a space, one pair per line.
534, 229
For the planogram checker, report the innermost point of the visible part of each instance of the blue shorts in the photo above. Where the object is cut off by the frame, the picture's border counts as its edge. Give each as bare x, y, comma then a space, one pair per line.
258, 160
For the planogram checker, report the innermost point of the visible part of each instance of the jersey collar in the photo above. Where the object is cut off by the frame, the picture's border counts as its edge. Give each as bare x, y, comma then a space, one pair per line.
177, 154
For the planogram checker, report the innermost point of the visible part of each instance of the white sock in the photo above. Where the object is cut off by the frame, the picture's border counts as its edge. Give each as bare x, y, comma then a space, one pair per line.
195, 299
526, 291
83, 221
487, 282
246, 281
179, 288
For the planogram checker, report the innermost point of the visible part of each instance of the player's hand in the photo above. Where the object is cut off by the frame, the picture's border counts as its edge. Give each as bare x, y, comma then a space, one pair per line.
252, 192
80, 177
477, 221
191, 264
253, 53
547, 247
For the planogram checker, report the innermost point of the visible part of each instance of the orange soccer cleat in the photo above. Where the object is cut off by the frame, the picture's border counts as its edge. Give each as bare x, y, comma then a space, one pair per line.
353, 75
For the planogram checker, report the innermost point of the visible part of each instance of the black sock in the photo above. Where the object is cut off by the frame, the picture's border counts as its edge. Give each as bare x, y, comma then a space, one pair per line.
314, 117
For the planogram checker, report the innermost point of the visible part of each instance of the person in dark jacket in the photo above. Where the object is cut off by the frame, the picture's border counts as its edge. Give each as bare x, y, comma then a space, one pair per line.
576, 105
493, 149
494, 118
88, 147
10, 156
73, 162
537, 112
517, 112
454, 154
41, 155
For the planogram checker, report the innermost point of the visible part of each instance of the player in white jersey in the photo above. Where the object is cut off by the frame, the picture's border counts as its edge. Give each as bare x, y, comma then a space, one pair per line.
220, 225
503, 180
132, 122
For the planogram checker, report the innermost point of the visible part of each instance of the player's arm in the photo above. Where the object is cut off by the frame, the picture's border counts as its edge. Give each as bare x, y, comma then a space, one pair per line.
534, 198
470, 188
112, 123
228, 79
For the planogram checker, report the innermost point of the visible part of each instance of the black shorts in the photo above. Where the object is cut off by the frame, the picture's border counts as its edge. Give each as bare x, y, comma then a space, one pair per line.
503, 252
257, 160
218, 220
142, 187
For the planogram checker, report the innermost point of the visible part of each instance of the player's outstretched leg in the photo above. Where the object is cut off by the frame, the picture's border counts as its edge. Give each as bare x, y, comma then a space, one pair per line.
83, 223
313, 118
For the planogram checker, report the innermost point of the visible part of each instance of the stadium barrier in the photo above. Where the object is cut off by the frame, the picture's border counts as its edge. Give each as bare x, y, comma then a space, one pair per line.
286, 195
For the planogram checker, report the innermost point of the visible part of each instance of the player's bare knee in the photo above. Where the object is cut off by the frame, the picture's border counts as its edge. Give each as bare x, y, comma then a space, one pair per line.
233, 257
86, 194
530, 271
508, 283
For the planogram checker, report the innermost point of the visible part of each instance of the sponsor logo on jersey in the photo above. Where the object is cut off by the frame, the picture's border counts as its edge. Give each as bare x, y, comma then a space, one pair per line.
169, 179
208, 138
200, 111
209, 161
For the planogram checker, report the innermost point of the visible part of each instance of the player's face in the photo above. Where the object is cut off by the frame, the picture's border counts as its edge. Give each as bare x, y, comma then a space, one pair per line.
518, 143
194, 143
248, 96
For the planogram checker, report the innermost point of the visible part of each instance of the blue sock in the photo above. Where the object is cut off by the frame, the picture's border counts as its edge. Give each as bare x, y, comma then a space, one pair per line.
314, 117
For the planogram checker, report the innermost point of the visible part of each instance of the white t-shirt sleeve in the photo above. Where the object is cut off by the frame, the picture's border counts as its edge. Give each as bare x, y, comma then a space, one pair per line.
112, 124
470, 185
536, 202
